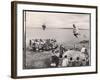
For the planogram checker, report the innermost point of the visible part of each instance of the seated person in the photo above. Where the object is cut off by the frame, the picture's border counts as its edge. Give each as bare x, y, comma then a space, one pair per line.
71, 62
84, 62
77, 62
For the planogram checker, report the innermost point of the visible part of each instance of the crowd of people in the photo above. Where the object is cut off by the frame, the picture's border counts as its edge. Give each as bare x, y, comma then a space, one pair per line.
57, 51
43, 44
58, 60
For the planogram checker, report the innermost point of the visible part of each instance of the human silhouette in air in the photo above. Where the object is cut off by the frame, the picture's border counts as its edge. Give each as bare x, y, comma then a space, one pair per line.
75, 31
44, 26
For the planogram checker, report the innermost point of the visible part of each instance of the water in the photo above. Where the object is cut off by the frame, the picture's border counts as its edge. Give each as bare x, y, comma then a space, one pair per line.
64, 36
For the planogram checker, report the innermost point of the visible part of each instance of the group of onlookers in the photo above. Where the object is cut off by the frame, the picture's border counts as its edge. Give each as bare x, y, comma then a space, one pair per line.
58, 60
43, 44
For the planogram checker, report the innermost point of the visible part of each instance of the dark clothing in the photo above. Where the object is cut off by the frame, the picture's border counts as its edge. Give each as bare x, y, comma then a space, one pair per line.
55, 60
43, 26
76, 35
61, 51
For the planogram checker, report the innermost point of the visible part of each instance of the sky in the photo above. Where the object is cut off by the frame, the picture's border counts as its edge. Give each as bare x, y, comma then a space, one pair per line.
57, 20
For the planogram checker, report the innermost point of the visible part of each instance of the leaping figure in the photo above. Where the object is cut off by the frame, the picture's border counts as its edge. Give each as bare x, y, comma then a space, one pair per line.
75, 31
44, 26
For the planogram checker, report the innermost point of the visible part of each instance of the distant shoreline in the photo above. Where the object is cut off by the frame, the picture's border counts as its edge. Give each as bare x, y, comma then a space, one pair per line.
55, 28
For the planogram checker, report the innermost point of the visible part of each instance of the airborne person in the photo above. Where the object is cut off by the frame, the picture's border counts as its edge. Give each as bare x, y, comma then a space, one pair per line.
43, 26
75, 31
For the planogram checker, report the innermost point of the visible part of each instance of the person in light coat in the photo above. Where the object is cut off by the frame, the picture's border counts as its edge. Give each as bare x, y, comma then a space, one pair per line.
65, 61
83, 49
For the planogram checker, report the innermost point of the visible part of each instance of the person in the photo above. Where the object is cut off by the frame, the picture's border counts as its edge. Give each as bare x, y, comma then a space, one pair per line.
56, 52
40, 45
77, 62
61, 50
86, 56
75, 31
84, 62
86, 52
54, 61
87, 61
33, 47
44, 26
30, 43
71, 62
37, 44
83, 50
65, 61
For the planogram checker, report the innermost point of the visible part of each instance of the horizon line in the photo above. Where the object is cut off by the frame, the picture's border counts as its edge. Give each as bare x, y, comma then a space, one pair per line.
57, 28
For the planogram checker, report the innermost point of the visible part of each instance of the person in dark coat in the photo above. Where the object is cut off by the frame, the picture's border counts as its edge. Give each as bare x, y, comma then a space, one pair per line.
44, 26
54, 60
62, 49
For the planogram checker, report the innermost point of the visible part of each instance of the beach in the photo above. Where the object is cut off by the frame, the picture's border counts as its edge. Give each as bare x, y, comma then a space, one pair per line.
63, 36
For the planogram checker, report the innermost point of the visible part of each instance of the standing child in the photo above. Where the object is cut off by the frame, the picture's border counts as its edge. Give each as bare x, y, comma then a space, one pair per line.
83, 49
65, 61
54, 60
61, 50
